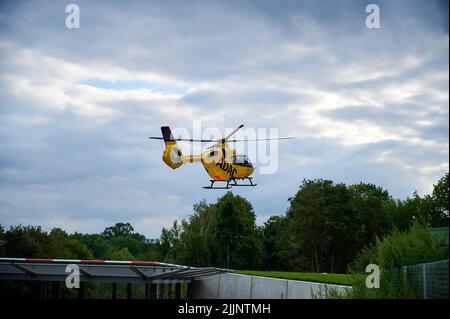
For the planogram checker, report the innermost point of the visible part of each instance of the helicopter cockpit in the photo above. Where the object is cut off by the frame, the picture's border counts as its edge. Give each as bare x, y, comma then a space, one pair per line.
242, 160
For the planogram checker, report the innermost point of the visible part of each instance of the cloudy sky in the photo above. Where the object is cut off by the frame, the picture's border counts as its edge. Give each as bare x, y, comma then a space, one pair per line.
77, 105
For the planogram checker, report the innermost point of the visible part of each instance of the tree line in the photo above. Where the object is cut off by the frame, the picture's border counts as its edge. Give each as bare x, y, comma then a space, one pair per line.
324, 229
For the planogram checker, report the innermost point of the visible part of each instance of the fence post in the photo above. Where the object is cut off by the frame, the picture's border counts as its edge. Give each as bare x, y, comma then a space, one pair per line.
403, 271
424, 277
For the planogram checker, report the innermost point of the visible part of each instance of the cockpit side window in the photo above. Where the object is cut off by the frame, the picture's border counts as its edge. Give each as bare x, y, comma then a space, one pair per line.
242, 160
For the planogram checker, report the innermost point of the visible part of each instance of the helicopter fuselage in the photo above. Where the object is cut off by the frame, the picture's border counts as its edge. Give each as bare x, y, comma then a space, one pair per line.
222, 162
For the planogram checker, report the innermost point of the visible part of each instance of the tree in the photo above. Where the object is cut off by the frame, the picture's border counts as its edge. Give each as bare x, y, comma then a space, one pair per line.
119, 229
98, 245
431, 210
122, 235
199, 236
239, 242
170, 245
272, 232
2, 241
122, 254
321, 228
229, 229
402, 213
29, 241
439, 216
371, 204
65, 247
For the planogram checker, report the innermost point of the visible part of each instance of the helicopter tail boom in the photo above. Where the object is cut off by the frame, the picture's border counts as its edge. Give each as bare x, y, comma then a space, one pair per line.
192, 159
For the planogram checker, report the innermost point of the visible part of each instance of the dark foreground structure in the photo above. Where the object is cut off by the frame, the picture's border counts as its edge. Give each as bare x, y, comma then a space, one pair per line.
161, 280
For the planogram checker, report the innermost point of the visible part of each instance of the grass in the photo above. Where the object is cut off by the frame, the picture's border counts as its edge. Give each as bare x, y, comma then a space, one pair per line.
339, 279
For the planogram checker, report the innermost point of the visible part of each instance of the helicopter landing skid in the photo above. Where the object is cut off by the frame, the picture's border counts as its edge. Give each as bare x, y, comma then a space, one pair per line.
230, 183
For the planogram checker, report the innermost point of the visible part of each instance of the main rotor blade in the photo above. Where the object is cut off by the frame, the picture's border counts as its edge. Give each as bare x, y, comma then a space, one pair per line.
229, 135
192, 140
262, 139
182, 139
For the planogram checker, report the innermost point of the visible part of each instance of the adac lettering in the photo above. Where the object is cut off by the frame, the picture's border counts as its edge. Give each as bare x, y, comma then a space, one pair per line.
227, 168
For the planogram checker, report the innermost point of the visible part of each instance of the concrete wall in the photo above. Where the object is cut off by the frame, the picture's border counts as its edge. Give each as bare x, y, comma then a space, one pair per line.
235, 286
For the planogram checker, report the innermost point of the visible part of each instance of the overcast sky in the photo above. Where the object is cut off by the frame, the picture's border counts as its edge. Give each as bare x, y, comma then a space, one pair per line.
77, 105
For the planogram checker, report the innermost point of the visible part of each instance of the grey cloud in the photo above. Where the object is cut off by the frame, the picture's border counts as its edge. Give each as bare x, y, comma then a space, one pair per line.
405, 115
261, 63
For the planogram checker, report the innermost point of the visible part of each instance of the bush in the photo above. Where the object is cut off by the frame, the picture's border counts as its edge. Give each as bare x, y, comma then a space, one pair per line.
397, 249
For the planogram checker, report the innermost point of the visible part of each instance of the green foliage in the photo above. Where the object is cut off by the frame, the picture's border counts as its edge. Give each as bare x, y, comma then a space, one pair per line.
29, 241
237, 237
401, 248
229, 228
398, 248
64, 246
439, 198
116, 243
119, 241
122, 254
26, 242
370, 204
402, 213
100, 248
199, 236
327, 224
431, 210
170, 249
118, 230
326, 292
223, 234
271, 240
2, 241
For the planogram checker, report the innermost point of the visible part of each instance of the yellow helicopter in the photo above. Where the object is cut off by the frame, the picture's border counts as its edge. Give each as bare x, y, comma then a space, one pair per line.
222, 162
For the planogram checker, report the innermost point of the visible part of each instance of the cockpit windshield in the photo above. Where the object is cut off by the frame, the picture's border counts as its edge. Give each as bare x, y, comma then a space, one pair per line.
242, 160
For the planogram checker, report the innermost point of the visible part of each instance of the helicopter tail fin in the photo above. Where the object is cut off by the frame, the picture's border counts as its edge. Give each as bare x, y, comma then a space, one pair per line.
172, 154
